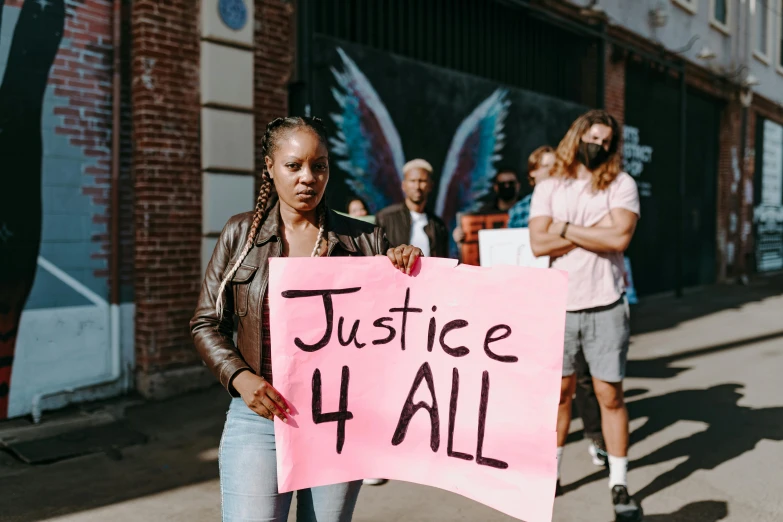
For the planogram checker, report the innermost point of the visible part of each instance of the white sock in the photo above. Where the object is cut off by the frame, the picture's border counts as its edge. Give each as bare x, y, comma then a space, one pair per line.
618, 471
559, 460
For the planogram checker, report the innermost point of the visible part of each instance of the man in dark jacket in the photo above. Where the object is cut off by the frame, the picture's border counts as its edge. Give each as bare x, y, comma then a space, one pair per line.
409, 223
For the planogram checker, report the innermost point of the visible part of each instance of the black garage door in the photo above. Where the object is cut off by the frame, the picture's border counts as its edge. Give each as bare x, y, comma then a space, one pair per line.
652, 111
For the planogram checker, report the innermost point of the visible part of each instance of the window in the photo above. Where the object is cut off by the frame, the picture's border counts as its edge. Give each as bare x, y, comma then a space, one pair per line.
779, 15
720, 11
720, 15
689, 5
762, 29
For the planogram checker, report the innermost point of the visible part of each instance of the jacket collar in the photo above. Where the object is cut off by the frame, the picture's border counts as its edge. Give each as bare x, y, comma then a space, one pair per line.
335, 231
335, 234
270, 228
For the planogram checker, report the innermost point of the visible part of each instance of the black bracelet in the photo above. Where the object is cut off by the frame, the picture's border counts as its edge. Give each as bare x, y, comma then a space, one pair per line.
565, 227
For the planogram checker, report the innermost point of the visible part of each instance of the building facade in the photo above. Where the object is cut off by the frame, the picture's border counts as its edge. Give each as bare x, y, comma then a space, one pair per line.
134, 134
66, 296
729, 56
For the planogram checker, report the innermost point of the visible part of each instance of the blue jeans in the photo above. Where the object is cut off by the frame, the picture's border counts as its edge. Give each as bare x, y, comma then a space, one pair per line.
248, 477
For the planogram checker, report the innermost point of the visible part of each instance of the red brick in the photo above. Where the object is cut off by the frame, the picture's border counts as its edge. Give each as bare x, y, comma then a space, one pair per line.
614, 97
166, 120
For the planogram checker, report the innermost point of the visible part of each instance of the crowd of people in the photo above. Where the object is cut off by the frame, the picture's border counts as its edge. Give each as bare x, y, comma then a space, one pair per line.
582, 213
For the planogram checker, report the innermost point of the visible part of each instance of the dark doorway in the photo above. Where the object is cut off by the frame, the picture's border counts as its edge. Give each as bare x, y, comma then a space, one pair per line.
652, 109
701, 162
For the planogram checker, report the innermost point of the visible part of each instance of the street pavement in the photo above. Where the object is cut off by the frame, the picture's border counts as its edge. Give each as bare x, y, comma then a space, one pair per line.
706, 414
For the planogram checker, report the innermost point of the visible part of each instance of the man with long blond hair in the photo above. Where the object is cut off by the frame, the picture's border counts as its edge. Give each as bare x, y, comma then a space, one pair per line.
539, 166
584, 217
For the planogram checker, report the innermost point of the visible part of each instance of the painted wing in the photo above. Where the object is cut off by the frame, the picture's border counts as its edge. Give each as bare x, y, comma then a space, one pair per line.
469, 166
367, 140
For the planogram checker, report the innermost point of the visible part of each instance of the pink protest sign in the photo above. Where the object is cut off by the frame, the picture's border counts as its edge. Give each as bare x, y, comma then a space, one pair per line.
449, 377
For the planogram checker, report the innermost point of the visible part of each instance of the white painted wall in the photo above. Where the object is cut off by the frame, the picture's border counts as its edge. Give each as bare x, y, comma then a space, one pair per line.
58, 348
223, 196
227, 140
732, 50
226, 76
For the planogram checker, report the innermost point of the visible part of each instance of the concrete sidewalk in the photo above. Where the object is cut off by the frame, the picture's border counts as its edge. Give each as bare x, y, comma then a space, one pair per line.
707, 441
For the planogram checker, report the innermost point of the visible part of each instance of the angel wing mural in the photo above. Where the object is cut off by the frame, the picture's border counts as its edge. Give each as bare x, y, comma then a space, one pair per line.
370, 149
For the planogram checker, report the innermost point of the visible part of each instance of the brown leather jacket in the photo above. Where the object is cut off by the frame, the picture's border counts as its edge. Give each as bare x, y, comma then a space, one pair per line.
244, 294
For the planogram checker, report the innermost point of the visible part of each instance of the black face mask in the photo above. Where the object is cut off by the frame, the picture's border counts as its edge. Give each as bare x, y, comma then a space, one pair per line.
507, 191
592, 155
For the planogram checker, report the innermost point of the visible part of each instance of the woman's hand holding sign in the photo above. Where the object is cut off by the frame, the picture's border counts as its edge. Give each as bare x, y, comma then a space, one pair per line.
260, 396
404, 257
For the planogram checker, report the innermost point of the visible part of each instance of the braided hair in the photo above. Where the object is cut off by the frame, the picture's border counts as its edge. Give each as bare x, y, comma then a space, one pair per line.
275, 129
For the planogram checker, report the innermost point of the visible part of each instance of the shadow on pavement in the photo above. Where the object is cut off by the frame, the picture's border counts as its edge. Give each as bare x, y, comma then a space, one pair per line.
704, 511
732, 430
661, 367
183, 436
659, 313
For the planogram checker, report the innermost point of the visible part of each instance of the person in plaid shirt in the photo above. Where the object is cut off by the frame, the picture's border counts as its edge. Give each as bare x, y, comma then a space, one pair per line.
538, 165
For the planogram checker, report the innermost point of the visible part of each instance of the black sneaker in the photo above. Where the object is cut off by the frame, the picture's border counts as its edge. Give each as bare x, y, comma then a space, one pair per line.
598, 453
558, 489
626, 509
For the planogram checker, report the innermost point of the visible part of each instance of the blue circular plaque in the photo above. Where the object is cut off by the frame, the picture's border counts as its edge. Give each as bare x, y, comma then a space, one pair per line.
233, 13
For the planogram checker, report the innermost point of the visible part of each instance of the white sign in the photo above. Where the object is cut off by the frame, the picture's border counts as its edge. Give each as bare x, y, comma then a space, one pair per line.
508, 246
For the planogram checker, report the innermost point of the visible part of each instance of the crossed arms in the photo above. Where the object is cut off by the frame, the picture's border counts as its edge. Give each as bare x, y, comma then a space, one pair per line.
612, 234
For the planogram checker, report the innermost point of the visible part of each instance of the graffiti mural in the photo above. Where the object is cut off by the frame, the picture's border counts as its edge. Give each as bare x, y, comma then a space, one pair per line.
635, 156
371, 146
385, 110
768, 212
33, 47
55, 116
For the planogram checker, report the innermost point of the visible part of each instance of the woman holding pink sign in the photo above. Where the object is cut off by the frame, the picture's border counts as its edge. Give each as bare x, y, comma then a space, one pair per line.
235, 288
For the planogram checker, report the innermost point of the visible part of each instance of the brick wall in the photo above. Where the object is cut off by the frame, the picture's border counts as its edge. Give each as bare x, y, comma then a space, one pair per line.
273, 59
746, 216
733, 213
744, 199
167, 168
614, 84
126, 248
728, 191
81, 76
167, 181
735, 193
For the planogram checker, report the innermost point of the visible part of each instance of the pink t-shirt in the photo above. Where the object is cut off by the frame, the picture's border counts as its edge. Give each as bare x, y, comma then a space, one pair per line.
593, 279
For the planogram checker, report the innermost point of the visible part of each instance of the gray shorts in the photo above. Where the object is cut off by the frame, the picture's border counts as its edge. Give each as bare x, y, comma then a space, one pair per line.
602, 334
